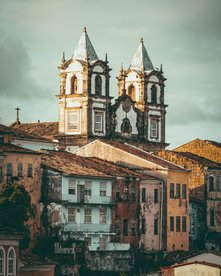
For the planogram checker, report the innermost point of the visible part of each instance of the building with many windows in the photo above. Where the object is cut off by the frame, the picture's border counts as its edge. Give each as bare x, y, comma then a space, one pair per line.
84, 102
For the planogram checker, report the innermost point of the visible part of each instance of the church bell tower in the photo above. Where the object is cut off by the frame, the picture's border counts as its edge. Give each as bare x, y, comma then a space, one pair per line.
84, 96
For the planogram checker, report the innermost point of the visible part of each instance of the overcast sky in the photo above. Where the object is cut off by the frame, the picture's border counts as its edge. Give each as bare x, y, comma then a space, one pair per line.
185, 36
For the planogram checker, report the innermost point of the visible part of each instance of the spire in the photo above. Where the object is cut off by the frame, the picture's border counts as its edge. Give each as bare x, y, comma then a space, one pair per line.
141, 60
85, 48
17, 115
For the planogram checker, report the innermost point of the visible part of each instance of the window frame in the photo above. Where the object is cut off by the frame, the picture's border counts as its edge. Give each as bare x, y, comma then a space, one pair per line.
30, 171
71, 215
154, 128
13, 259
184, 194
156, 196
156, 226
3, 260
178, 191
73, 122
178, 224
143, 195
184, 220
211, 183
172, 190
125, 228
19, 169
99, 124
88, 215
212, 217
172, 224
103, 188
72, 186
102, 215
9, 169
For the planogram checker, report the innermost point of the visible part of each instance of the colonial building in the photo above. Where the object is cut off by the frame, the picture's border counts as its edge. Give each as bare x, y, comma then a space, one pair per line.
85, 109
205, 196
205, 148
175, 192
22, 165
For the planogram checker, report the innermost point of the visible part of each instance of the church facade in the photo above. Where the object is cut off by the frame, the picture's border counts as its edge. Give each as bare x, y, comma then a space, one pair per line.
85, 109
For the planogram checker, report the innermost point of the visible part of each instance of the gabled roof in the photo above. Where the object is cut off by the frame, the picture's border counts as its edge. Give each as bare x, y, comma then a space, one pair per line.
29, 260
141, 60
85, 48
69, 164
193, 157
10, 233
115, 170
205, 142
45, 129
5, 129
142, 154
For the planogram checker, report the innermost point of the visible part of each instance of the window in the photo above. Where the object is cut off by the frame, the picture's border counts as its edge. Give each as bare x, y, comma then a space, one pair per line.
98, 85
103, 188
71, 187
133, 228
212, 217
103, 215
171, 224
171, 190
133, 192
177, 190
1, 141
20, 169
102, 243
155, 195
9, 169
87, 215
211, 183
2, 261
29, 170
87, 188
74, 85
117, 194
71, 214
73, 120
88, 240
125, 227
11, 263
153, 94
153, 128
98, 127
126, 190
143, 195
156, 226
183, 224
177, 224
117, 229
143, 226
184, 191
132, 92
1, 174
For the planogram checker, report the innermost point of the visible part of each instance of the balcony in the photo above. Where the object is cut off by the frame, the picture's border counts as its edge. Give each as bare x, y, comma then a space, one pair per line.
88, 199
87, 227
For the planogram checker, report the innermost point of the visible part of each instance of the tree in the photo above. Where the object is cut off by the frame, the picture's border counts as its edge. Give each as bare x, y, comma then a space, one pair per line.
15, 206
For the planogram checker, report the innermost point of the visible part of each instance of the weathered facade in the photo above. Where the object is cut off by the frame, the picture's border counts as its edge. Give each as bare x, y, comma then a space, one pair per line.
85, 109
205, 192
22, 165
205, 148
175, 216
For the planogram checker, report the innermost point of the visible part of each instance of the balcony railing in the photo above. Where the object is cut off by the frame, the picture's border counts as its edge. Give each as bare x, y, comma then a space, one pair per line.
88, 227
88, 199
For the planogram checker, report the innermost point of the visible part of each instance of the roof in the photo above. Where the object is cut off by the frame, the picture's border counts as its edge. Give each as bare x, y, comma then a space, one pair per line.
10, 232
214, 143
7, 148
69, 164
4, 128
191, 263
115, 170
197, 159
22, 135
144, 155
85, 48
45, 129
141, 59
29, 259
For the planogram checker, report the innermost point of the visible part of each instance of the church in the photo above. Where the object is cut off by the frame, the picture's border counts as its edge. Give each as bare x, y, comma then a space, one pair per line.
85, 108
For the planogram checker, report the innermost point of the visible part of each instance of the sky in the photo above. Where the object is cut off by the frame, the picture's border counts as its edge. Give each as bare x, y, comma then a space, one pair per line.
184, 36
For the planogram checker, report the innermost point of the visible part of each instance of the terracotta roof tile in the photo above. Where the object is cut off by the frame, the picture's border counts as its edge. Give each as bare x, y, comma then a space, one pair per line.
70, 164
46, 129
29, 259
15, 149
199, 159
144, 155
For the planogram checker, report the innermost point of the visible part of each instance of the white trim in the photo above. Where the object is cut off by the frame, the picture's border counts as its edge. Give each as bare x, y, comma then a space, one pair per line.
14, 261
4, 260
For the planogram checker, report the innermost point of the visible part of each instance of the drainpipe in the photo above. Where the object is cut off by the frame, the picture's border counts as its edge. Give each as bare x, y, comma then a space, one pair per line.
161, 216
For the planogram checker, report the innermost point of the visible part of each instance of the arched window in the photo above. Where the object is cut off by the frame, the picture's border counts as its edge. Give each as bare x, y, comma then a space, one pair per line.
11, 267
132, 92
2, 261
74, 85
153, 94
98, 85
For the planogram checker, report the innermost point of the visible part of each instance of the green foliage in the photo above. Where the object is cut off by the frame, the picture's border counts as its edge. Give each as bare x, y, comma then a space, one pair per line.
15, 206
